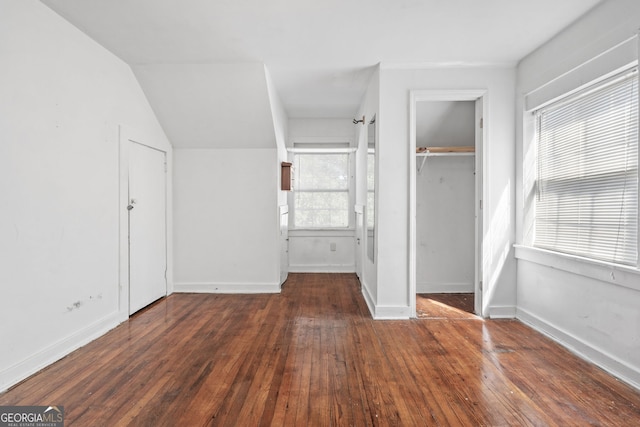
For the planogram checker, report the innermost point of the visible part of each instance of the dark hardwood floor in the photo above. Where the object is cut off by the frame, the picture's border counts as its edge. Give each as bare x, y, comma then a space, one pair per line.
312, 356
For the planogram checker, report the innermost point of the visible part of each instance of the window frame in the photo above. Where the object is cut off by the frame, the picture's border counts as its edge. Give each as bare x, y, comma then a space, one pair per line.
531, 128
321, 146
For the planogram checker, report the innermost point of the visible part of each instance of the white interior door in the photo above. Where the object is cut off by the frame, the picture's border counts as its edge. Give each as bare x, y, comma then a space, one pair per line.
147, 226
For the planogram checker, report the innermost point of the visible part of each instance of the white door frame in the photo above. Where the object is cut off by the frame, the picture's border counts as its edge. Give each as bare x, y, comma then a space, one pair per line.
283, 227
126, 136
359, 240
446, 95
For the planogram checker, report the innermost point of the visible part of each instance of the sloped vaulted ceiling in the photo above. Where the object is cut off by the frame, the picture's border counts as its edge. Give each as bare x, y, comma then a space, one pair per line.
200, 61
210, 105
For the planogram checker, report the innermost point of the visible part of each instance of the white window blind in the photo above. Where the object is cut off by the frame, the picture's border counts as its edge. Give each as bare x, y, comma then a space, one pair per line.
321, 196
587, 173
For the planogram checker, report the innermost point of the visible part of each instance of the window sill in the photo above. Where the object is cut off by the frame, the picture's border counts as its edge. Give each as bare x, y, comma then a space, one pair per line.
321, 232
615, 274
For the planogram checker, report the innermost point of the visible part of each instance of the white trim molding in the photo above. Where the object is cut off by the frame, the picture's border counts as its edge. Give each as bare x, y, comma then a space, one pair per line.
426, 65
609, 363
502, 312
614, 274
610, 62
56, 351
226, 288
442, 287
321, 232
392, 312
384, 312
320, 150
324, 268
416, 96
368, 298
128, 135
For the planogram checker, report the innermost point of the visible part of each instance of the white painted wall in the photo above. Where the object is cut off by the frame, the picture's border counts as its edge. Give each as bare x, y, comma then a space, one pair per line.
210, 105
591, 307
280, 127
393, 174
445, 123
321, 250
226, 210
330, 128
226, 220
62, 100
445, 194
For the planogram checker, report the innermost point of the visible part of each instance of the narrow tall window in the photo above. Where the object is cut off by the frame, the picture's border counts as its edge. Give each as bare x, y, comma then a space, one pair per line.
321, 196
587, 173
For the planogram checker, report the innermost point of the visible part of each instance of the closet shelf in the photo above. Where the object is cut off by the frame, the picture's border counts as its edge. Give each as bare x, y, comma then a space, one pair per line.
453, 150
425, 152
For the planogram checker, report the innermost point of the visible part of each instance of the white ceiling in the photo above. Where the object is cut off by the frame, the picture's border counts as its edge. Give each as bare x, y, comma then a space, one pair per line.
320, 53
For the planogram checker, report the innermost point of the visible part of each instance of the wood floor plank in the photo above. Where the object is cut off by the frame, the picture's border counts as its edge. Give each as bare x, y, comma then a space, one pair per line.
313, 356
445, 306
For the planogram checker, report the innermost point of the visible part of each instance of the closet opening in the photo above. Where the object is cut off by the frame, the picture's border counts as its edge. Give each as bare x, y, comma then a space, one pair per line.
446, 204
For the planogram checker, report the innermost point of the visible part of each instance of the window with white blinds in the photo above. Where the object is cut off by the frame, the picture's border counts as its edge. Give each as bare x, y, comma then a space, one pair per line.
587, 173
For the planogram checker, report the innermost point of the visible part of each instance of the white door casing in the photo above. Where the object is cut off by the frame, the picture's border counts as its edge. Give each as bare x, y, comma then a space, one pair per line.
284, 243
129, 140
479, 129
447, 95
359, 237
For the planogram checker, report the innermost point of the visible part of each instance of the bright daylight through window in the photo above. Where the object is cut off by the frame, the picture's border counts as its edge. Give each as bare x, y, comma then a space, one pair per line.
321, 196
587, 172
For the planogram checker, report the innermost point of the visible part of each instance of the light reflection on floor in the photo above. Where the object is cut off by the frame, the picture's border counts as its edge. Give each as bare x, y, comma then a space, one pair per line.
445, 306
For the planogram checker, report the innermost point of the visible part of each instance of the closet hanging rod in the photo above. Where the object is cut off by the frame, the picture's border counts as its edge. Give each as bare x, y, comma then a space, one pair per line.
447, 149
450, 151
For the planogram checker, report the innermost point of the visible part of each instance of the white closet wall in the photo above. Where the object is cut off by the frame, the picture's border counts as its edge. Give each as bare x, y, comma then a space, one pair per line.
445, 199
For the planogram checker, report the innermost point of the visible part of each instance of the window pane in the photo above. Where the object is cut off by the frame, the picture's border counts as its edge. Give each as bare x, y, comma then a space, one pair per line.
321, 209
371, 181
370, 209
587, 180
321, 196
322, 171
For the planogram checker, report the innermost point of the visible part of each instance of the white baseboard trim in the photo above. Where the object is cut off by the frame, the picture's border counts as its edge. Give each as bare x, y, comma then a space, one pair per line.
443, 287
368, 299
502, 312
384, 312
226, 288
392, 312
56, 351
314, 268
581, 348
